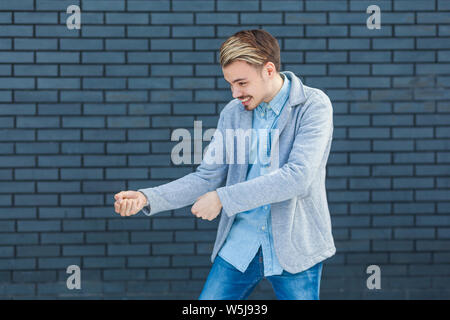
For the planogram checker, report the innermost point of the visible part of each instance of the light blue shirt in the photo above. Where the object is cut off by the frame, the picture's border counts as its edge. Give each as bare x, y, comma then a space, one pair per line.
252, 229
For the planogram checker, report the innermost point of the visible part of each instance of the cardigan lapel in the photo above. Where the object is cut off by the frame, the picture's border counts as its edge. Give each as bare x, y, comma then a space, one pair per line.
296, 97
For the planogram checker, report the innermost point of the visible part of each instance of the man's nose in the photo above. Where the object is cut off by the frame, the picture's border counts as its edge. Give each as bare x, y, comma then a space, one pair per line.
236, 93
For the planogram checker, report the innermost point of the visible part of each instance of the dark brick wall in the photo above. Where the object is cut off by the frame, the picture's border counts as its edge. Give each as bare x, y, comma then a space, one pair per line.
87, 113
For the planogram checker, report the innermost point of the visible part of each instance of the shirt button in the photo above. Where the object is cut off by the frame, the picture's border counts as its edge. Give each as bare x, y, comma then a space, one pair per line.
266, 207
263, 228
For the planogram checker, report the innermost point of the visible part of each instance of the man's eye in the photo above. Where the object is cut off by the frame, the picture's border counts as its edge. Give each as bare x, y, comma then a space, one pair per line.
242, 83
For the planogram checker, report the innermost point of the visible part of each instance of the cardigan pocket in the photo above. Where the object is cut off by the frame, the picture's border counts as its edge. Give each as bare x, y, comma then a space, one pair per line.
306, 234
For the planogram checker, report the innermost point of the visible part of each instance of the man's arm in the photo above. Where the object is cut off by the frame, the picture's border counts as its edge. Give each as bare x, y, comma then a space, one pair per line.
184, 191
294, 178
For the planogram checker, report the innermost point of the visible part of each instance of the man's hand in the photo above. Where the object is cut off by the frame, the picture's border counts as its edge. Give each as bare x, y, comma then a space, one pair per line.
129, 203
207, 206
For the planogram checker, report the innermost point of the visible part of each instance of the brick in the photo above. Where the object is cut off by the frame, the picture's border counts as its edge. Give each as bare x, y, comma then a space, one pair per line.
35, 96
370, 56
126, 18
418, 5
104, 262
393, 221
35, 44
369, 82
58, 83
17, 161
5, 70
392, 170
432, 195
128, 70
412, 132
193, 31
161, 274
415, 31
411, 208
104, 83
392, 69
393, 245
56, 263
16, 31
128, 249
172, 18
37, 122
414, 233
358, 31
129, 44
433, 17
104, 161
126, 96
407, 183
416, 107
431, 43
57, 57
305, 18
80, 44
146, 262
312, 57
82, 199
103, 57
374, 233
123, 274
342, 69
348, 44
37, 251
83, 122
396, 18
216, 18
17, 239
148, 31
34, 276
134, 224
258, 18
85, 250
103, 5
58, 134
103, 109
150, 6
408, 82
395, 120
81, 70
35, 17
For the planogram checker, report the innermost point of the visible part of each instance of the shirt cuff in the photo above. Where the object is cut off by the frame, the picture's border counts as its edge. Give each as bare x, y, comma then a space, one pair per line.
147, 207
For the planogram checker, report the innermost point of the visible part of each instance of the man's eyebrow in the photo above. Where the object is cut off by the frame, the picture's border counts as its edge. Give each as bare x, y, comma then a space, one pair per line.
240, 79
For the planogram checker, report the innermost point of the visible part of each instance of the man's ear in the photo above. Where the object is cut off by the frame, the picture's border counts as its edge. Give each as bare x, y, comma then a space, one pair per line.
271, 70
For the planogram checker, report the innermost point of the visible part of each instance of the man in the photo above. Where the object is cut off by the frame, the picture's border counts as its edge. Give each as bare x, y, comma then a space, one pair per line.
275, 221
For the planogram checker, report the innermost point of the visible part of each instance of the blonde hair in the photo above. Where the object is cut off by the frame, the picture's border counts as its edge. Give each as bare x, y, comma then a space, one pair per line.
256, 47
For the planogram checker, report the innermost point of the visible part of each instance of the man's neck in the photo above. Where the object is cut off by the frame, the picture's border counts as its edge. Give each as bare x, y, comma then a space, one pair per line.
279, 84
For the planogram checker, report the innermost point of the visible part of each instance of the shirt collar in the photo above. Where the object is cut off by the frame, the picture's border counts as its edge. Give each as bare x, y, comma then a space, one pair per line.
277, 103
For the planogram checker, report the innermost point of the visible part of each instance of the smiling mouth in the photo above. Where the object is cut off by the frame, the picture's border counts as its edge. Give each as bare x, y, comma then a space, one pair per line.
245, 100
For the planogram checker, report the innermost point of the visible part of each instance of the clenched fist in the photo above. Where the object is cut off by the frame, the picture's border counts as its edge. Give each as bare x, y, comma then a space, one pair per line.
129, 203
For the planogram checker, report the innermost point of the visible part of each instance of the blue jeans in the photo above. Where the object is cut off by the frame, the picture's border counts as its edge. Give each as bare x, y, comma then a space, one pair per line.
225, 282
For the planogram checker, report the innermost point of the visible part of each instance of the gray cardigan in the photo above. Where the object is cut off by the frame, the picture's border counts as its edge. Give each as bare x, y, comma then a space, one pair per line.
295, 188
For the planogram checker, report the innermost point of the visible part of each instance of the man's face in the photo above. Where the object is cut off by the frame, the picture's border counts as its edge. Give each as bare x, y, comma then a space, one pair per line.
247, 83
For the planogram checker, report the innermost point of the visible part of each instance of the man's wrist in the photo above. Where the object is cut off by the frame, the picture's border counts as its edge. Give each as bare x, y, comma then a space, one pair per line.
146, 199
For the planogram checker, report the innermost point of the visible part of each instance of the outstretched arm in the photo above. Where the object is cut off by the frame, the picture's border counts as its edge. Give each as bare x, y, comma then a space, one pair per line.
184, 191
